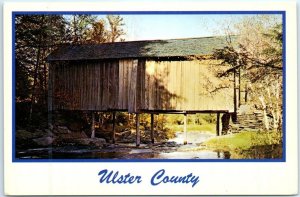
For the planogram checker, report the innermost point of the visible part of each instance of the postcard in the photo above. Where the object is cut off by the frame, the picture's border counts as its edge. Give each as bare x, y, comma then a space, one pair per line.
190, 98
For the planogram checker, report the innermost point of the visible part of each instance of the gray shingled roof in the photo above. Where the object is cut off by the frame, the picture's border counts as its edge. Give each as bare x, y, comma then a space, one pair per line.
139, 49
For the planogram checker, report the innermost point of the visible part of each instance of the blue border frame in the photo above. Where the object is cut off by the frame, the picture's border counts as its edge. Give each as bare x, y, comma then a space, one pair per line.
283, 13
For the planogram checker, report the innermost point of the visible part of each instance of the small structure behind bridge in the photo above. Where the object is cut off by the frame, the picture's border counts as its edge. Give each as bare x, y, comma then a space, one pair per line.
157, 76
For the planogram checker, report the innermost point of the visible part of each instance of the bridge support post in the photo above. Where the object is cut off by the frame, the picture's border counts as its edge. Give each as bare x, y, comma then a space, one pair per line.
218, 131
152, 128
114, 128
184, 129
138, 133
93, 125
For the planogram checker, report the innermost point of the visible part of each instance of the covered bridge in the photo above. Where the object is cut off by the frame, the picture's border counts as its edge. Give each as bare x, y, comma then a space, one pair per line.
157, 76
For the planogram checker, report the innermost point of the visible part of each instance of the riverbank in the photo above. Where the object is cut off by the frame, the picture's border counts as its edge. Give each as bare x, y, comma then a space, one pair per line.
172, 149
201, 145
248, 144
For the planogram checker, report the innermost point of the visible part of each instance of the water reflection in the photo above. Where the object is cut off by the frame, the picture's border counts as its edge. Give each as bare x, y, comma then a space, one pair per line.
161, 151
155, 152
168, 150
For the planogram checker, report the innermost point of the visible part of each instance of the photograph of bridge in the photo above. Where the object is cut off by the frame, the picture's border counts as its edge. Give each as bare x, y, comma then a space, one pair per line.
149, 86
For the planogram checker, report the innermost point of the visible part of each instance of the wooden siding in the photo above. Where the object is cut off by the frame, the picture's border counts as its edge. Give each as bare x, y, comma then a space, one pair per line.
86, 86
135, 85
127, 85
186, 86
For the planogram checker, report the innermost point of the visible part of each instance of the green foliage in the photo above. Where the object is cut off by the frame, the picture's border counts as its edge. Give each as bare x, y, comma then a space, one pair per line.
208, 118
211, 128
177, 119
121, 118
195, 122
36, 36
256, 56
115, 27
98, 33
244, 140
78, 27
91, 29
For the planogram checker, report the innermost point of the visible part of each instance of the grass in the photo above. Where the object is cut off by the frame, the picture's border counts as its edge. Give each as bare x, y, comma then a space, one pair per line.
244, 140
211, 128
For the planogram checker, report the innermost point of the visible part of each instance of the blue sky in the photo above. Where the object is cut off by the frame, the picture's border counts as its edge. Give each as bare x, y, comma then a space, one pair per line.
170, 26
149, 27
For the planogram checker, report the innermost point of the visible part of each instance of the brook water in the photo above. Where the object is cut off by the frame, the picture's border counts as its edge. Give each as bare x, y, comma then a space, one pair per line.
173, 149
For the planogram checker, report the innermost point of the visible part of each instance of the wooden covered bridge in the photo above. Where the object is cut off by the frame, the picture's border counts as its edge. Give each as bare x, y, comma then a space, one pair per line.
157, 76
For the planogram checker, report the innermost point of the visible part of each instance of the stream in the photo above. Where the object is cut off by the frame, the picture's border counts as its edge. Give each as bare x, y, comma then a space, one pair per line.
172, 149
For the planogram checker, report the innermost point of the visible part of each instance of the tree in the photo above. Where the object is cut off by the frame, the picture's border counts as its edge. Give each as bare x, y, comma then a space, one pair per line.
36, 36
115, 27
99, 33
78, 28
256, 52
90, 29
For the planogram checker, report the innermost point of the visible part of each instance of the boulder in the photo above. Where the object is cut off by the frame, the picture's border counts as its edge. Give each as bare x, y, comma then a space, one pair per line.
25, 135
96, 142
48, 132
75, 126
50, 126
62, 129
44, 141
125, 133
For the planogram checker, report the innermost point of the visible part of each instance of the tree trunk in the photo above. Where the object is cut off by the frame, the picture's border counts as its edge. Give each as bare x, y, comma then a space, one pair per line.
45, 81
35, 76
239, 86
234, 117
266, 121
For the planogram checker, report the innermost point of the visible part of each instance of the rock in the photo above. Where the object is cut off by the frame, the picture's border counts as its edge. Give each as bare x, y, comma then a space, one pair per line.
125, 133
96, 142
50, 126
62, 129
48, 132
44, 141
75, 126
82, 134
102, 133
25, 135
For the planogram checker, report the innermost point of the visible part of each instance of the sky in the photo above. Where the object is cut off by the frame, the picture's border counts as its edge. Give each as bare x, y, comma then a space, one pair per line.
150, 27
172, 26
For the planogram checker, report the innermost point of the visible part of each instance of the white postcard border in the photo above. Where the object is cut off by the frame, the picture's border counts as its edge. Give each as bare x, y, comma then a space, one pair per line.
215, 178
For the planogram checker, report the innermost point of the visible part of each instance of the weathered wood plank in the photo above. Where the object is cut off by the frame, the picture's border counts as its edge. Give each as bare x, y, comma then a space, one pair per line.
178, 87
121, 84
104, 96
146, 88
127, 68
116, 82
185, 128
132, 86
152, 87
110, 85
138, 86
97, 88
103, 85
